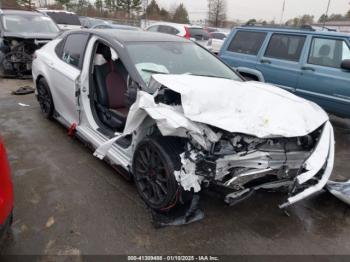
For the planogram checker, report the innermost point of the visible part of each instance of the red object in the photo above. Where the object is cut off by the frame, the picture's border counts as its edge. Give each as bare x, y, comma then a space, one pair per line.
72, 129
6, 187
188, 33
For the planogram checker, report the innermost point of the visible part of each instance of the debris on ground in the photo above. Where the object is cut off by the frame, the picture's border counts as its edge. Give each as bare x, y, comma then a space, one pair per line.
183, 217
24, 105
50, 222
24, 90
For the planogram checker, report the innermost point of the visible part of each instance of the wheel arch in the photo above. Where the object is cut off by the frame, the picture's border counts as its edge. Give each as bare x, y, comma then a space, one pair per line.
251, 73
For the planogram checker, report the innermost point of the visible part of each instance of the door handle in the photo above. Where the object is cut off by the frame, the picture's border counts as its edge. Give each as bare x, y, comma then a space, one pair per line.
51, 66
265, 61
308, 68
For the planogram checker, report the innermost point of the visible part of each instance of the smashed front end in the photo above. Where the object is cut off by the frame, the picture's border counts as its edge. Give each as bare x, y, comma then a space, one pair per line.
244, 164
237, 143
16, 55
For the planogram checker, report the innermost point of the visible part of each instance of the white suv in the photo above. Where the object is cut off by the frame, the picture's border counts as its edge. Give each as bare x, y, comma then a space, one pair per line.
192, 32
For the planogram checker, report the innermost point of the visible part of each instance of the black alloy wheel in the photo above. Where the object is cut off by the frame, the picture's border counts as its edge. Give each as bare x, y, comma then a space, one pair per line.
154, 163
45, 98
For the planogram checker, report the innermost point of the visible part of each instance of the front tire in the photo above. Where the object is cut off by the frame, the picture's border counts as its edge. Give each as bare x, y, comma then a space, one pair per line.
154, 163
45, 98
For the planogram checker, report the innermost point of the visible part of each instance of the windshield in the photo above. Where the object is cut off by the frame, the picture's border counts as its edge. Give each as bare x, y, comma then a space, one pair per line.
63, 18
177, 58
29, 24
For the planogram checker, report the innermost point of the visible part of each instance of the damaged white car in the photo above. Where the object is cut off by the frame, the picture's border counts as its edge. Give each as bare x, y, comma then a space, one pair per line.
175, 118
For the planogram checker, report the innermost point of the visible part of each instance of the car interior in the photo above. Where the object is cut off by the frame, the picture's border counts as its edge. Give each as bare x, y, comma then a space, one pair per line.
110, 99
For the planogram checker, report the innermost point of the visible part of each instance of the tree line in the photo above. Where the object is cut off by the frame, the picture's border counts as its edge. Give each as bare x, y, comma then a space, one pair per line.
131, 9
306, 19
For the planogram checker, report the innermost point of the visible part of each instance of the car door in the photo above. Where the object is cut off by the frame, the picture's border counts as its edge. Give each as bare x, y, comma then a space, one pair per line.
322, 79
242, 48
64, 74
280, 62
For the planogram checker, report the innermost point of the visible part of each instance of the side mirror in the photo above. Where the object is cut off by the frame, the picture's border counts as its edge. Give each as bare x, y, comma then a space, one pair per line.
345, 64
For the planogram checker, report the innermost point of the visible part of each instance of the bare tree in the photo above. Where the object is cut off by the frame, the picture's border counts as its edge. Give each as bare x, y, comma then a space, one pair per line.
216, 12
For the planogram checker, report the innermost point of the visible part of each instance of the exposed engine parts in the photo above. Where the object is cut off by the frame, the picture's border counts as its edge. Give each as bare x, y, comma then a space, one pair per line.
244, 163
16, 56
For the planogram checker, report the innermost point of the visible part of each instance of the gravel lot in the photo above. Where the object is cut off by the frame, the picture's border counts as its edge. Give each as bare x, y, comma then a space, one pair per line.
69, 202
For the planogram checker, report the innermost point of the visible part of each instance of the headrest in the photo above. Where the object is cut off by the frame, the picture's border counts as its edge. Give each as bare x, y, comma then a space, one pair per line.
325, 50
105, 51
99, 60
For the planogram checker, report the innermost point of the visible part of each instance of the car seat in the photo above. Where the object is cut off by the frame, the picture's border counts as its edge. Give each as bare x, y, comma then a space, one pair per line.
324, 54
111, 88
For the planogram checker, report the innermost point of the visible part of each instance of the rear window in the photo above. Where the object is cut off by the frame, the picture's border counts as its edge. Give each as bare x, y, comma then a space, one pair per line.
245, 42
286, 47
63, 18
219, 36
199, 33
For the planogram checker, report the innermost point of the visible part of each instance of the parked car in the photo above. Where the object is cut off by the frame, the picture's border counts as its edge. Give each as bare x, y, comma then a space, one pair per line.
312, 64
217, 40
88, 22
64, 19
6, 193
211, 29
192, 32
21, 33
177, 119
115, 26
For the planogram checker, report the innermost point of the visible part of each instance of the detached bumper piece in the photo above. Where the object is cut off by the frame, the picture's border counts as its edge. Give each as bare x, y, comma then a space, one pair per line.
341, 190
316, 170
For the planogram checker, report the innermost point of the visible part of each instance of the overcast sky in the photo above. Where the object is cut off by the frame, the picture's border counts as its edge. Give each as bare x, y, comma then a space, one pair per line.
263, 9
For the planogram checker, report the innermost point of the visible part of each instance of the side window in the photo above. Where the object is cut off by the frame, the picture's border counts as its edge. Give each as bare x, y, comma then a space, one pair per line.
328, 52
285, 47
59, 48
167, 30
101, 27
73, 50
153, 28
245, 42
174, 31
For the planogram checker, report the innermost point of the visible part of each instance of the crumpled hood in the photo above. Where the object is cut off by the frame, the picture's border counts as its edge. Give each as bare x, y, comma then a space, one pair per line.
253, 108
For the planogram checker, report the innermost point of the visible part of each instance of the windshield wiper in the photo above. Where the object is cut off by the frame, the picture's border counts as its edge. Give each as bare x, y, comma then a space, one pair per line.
154, 71
207, 75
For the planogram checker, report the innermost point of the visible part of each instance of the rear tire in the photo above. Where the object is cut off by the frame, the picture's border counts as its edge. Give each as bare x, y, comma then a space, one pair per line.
45, 98
154, 163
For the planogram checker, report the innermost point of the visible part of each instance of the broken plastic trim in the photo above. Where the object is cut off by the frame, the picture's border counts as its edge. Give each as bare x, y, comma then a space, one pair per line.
103, 149
317, 164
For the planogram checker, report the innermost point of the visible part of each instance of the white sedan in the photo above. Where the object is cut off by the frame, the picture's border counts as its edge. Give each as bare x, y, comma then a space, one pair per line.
216, 41
172, 116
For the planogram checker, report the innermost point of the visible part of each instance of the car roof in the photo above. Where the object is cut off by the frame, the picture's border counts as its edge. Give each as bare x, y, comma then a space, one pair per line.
175, 25
294, 30
44, 10
19, 12
125, 36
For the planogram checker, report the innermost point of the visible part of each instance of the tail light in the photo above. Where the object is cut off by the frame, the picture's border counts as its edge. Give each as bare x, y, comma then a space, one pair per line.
188, 33
6, 188
34, 56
